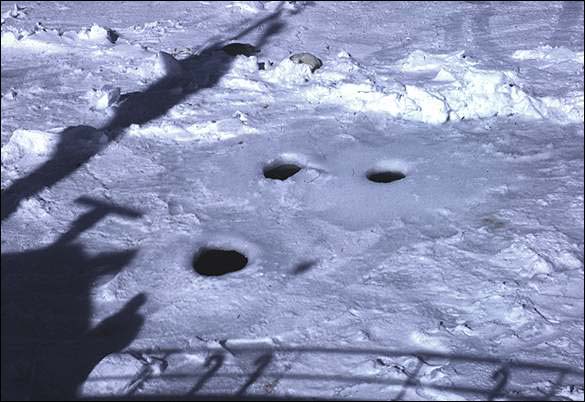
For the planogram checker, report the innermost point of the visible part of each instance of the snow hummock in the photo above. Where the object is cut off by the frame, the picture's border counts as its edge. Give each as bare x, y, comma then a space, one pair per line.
458, 90
104, 97
96, 33
28, 143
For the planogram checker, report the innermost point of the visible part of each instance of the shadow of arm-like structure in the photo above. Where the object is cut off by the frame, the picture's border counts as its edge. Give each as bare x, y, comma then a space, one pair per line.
48, 345
78, 144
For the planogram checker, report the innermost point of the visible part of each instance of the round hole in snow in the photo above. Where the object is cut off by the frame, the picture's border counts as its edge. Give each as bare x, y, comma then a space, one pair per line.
385, 176
281, 171
216, 262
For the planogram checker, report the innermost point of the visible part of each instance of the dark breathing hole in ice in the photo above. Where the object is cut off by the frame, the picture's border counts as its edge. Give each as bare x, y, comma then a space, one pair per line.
385, 176
216, 262
281, 171
236, 49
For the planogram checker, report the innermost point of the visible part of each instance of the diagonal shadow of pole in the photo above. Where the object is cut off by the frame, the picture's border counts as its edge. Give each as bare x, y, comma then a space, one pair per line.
78, 144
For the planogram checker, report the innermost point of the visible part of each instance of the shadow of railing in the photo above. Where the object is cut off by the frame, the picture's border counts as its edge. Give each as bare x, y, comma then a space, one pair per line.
501, 371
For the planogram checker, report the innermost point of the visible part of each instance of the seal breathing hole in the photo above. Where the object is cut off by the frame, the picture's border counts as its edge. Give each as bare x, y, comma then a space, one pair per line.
385, 176
216, 262
281, 171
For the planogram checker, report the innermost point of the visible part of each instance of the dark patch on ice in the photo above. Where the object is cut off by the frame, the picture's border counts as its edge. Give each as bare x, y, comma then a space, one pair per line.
217, 262
281, 171
492, 222
304, 267
237, 49
385, 176
112, 35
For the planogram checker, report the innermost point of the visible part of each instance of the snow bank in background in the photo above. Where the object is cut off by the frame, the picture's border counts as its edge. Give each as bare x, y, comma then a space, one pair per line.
548, 53
473, 93
41, 42
458, 91
51, 40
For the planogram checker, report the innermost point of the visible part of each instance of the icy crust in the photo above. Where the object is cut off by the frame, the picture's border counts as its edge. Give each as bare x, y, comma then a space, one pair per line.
549, 53
205, 132
540, 254
458, 90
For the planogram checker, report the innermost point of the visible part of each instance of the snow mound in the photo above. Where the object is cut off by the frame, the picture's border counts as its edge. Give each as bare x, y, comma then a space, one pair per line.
247, 6
104, 97
288, 73
25, 143
473, 93
96, 33
243, 75
458, 90
153, 67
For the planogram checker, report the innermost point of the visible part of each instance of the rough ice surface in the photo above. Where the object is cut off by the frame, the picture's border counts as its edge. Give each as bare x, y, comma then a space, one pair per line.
123, 159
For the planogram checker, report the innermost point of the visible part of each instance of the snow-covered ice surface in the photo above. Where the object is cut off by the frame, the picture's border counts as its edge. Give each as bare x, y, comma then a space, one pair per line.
461, 281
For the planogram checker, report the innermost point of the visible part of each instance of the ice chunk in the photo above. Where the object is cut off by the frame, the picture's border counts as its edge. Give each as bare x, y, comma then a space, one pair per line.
168, 66
107, 96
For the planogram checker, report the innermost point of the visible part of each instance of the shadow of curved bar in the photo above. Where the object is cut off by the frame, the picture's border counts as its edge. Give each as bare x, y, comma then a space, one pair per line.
503, 371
